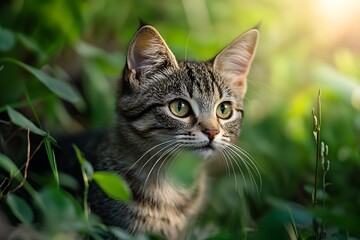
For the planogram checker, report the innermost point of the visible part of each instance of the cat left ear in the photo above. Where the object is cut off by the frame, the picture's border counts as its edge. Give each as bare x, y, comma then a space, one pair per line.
147, 53
233, 63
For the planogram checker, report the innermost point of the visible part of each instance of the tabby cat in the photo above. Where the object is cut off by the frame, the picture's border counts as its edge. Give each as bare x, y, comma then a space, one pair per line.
164, 105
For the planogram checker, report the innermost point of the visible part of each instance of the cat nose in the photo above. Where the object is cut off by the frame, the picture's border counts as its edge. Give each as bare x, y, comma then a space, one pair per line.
211, 133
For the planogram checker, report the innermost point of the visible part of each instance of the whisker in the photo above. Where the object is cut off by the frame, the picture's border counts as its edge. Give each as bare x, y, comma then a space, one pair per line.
166, 159
158, 152
226, 154
251, 160
249, 167
238, 166
227, 167
167, 151
148, 151
253, 82
248, 162
183, 148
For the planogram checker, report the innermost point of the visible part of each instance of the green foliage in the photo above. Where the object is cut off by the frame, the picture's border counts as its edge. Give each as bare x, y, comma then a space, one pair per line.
7, 39
112, 185
19, 119
185, 168
60, 88
20, 209
48, 48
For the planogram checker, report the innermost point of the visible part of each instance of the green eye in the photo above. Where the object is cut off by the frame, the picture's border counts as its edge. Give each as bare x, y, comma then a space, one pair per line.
180, 108
224, 110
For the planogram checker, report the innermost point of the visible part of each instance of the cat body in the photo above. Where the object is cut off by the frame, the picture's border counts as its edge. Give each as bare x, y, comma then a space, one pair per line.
163, 107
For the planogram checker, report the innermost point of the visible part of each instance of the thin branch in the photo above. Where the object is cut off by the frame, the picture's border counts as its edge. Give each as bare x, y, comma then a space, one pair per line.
36, 149
7, 182
26, 163
12, 135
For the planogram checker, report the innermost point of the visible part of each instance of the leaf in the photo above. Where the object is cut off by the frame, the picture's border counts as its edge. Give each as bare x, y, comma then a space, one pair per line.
52, 160
185, 168
112, 185
30, 44
120, 233
10, 167
7, 164
20, 120
7, 39
85, 165
20, 209
64, 213
60, 88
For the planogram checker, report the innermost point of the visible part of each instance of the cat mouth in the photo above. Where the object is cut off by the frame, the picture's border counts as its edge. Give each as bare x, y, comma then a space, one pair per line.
206, 147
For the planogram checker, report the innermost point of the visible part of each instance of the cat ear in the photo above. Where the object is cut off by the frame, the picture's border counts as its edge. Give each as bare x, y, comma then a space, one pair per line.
233, 63
147, 53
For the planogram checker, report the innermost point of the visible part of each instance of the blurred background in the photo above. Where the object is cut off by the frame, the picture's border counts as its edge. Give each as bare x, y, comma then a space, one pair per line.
304, 46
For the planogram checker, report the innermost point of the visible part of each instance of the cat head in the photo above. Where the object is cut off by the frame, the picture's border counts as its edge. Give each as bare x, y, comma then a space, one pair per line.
196, 105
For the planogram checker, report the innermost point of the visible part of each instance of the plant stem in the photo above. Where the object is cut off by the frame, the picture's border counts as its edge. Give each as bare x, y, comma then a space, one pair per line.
317, 133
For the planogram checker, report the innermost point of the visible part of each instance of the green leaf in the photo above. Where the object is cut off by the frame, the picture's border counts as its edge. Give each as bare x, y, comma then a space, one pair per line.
7, 39
8, 165
64, 213
20, 209
112, 185
30, 44
185, 168
86, 167
20, 120
120, 233
52, 160
60, 88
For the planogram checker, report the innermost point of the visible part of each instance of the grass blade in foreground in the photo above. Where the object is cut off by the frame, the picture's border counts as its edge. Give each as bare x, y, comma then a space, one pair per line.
60, 88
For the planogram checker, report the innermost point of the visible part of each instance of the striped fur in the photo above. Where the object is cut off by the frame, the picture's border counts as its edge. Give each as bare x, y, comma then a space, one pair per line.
147, 134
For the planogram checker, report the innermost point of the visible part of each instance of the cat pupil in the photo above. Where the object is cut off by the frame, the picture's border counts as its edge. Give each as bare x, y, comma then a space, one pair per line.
180, 106
222, 108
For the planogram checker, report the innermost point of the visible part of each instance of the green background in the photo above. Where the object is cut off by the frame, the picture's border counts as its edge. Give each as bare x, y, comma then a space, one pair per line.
304, 46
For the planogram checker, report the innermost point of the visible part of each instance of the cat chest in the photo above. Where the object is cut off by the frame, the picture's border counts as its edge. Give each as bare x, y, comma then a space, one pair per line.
169, 222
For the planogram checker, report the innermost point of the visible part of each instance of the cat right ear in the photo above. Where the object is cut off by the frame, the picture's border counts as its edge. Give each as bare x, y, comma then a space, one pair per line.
233, 63
147, 53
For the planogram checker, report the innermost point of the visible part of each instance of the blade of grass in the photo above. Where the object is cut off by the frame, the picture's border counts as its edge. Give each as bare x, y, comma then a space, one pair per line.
83, 163
52, 160
60, 88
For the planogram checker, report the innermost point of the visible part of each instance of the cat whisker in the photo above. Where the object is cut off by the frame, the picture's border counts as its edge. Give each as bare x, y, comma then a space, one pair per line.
248, 162
166, 153
233, 159
227, 167
158, 152
251, 167
148, 151
253, 82
180, 148
225, 155
251, 160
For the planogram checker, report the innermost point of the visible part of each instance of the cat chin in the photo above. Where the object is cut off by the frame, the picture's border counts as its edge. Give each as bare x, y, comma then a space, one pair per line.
206, 152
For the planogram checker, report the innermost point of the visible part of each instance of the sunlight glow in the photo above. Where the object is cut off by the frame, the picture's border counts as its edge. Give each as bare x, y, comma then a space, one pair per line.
337, 10
335, 18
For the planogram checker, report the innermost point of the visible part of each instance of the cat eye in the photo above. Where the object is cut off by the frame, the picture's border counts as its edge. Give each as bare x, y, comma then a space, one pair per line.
224, 110
180, 108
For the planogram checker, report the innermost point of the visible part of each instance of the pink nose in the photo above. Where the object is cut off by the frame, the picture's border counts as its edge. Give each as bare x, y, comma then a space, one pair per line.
211, 133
